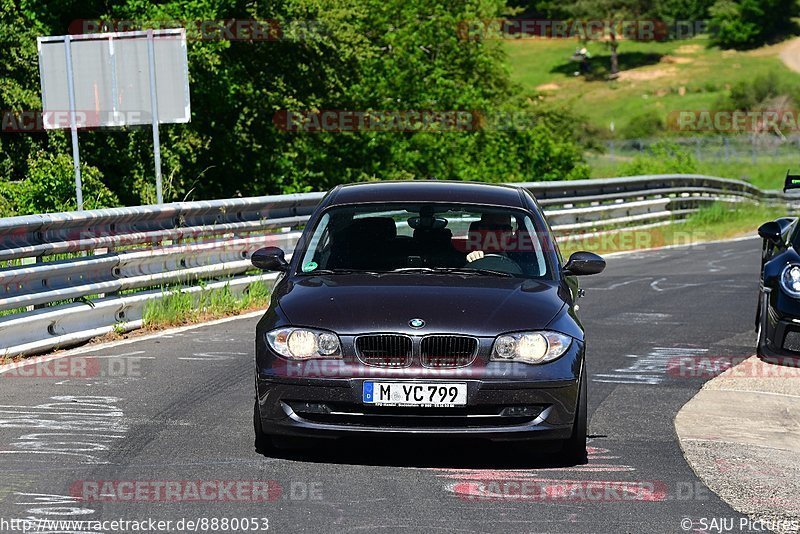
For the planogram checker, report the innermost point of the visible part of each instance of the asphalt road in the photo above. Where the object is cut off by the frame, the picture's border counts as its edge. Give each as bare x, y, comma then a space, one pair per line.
178, 408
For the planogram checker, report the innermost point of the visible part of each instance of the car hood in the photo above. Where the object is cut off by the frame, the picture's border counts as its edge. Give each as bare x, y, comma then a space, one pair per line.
477, 305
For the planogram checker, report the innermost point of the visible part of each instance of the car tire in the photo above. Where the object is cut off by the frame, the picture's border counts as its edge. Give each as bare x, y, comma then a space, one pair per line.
574, 449
263, 441
761, 333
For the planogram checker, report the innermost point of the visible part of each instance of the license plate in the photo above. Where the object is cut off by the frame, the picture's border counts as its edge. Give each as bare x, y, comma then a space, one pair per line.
414, 394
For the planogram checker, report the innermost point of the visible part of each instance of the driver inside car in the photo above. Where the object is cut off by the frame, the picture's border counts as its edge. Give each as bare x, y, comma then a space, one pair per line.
490, 235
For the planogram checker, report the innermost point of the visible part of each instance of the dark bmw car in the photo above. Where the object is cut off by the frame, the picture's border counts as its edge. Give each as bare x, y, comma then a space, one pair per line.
432, 307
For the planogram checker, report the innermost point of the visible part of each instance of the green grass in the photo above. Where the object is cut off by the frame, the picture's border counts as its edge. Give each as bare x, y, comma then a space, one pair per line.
720, 220
762, 174
765, 175
714, 222
657, 77
177, 308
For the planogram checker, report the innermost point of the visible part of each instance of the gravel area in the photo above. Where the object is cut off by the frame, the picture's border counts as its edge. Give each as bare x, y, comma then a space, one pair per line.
741, 435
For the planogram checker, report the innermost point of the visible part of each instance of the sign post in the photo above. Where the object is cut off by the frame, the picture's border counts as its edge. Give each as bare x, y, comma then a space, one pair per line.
154, 109
73, 125
109, 80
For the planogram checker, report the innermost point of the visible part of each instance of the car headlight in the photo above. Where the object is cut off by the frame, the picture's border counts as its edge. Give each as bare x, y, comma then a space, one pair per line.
790, 280
304, 343
530, 347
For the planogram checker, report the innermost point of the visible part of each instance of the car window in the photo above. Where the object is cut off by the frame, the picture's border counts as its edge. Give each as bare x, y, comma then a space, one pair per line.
426, 236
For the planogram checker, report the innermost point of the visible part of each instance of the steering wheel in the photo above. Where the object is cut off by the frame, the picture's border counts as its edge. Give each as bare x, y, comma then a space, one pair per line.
496, 262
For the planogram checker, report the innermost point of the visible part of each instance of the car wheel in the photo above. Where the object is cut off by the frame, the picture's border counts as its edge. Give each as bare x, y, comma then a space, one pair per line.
263, 443
574, 449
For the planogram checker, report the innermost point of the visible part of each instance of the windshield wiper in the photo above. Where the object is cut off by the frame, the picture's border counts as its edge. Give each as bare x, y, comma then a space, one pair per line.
402, 270
453, 270
340, 271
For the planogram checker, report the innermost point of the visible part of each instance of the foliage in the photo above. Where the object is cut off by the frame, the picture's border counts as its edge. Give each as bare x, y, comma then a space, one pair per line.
646, 124
7, 207
745, 24
611, 10
50, 186
539, 9
747, 95
661, 158
682, 10
334, 55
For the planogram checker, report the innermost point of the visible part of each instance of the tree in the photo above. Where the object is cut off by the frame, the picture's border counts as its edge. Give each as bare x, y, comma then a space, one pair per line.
613, 13
391, 55
682, 10
745, 24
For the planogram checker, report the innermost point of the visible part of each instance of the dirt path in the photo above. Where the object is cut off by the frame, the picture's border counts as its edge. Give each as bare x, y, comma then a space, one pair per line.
790, 55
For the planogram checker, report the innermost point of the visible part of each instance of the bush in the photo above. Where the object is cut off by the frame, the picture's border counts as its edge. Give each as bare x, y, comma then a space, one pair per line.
50, 186
648, 124
747, 95
682, 10
6, 194
750, 23
661, 158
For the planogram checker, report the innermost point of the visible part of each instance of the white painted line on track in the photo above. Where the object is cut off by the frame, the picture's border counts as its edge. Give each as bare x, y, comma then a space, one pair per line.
33, 360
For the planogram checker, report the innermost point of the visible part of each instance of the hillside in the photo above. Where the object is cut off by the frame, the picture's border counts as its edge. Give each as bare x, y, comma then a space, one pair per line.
657, 77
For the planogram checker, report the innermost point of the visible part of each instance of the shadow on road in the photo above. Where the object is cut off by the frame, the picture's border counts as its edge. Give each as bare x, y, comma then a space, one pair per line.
425, 452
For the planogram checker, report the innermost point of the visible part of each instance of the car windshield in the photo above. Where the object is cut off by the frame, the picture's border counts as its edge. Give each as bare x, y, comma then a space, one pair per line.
461, 239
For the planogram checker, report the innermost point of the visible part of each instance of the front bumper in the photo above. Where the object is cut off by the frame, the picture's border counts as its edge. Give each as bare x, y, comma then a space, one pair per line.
535, 402
782, 338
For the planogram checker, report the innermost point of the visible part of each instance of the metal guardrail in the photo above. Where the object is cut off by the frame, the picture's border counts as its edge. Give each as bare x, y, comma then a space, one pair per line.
70, 277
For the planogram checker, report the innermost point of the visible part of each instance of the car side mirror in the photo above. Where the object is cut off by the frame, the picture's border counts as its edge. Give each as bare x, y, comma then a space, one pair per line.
771, 231
584, 263
269, 259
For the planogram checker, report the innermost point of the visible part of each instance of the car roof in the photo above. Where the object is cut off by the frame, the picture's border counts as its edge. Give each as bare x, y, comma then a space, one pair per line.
428, 191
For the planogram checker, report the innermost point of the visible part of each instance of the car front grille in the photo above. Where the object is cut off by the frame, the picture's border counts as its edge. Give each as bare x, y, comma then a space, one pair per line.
384, 350
792, 341
448, 351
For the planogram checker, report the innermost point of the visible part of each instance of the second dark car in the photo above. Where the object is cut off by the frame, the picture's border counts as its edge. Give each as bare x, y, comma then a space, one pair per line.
424, 307
778, 310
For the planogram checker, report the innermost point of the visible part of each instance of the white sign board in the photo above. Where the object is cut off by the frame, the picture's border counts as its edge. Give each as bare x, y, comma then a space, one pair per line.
114, 79
111, 79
